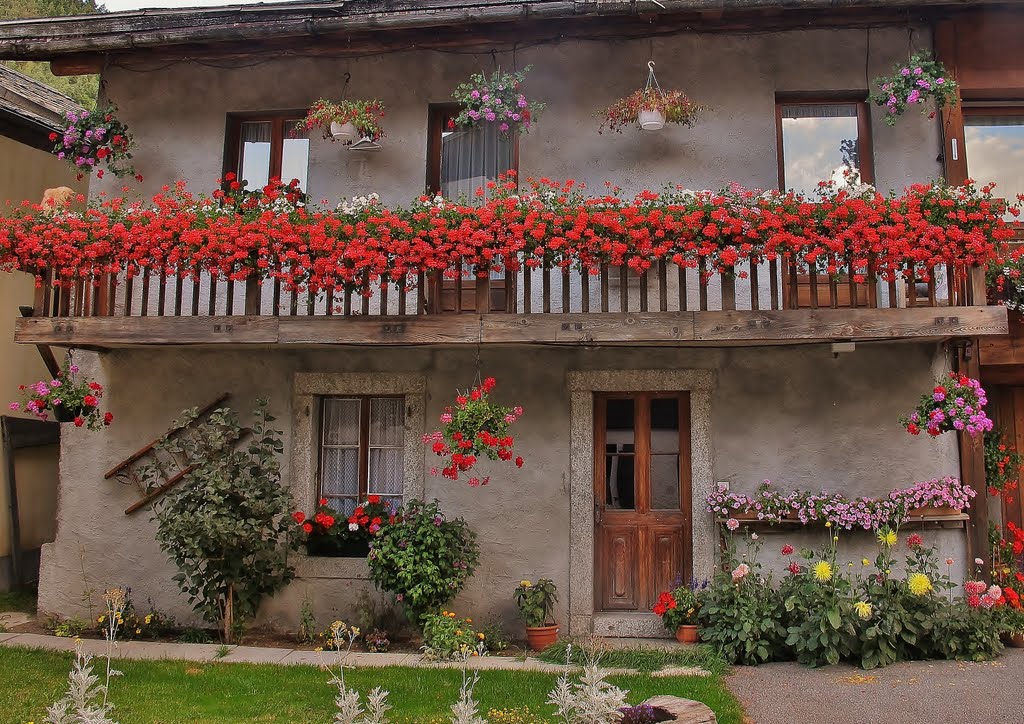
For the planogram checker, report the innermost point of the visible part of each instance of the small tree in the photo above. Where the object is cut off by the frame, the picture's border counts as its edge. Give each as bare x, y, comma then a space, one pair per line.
227, 527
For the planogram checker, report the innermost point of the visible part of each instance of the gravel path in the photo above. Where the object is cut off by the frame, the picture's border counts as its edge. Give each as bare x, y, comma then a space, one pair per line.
917, 692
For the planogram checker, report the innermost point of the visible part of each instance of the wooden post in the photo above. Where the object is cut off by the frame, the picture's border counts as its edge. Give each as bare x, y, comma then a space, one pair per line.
252, 296
728, 291
483, 294
972, 464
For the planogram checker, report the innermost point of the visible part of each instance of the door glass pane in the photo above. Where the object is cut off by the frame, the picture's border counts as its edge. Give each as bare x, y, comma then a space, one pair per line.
254, 154
995, 152
295, 156
620, 436
819, 142
665, 454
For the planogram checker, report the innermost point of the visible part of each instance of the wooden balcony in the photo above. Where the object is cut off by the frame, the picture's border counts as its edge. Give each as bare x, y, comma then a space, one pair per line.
769, 303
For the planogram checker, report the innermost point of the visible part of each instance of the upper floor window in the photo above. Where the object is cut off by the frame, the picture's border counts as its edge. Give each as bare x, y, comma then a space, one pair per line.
362, 450
462, 160
264, 146
820, 140
994, 140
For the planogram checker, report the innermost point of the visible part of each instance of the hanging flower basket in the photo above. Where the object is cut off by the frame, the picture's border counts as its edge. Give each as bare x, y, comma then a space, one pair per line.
651, 108
474, 428
496, 99
921, 80
68, 397
93, 139
954, 406
345, 121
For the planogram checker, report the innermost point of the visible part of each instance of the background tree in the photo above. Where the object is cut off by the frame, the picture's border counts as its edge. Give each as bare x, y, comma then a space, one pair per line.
83, 88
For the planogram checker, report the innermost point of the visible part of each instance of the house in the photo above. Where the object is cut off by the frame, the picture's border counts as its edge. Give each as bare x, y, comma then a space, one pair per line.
29, 112
639, 391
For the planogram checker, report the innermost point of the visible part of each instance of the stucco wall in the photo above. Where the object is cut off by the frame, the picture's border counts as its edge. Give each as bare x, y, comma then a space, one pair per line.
180, 129
795, 415
24, 174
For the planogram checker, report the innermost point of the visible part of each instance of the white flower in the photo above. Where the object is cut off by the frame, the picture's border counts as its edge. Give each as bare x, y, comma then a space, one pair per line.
353, 527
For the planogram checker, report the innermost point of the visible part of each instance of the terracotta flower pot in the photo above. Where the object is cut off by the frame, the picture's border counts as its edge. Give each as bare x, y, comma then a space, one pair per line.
688, 634
930, 511
1015, 640
540, 637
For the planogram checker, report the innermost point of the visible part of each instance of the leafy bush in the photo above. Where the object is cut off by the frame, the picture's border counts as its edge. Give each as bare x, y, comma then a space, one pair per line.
967, 634
227, 526
424, 559
742, 611
536, 601
446, 636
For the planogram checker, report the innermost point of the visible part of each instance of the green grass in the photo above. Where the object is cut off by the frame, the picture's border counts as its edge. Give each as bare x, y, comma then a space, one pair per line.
166, 692
24, 601
702, 656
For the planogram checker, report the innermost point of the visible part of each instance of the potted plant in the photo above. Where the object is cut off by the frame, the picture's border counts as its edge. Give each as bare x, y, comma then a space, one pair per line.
679, 610
95, 138
496, 99
329, 534
474, 428
651, 108
937, 497
921, 79
954, 405
69, 397
345, 120
535, 602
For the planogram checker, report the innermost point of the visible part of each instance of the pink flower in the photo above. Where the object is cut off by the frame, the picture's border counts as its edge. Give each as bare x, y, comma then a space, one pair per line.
974, 600
787, 550
995, 592
732, 524
914, 541
14, 406
446, 418
740, 572
949, 561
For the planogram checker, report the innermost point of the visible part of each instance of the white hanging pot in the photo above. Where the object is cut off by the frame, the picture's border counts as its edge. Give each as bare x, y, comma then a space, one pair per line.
651, 120
343, 130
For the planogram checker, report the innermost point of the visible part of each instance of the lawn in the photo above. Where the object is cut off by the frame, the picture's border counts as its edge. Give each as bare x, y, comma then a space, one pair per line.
165, 692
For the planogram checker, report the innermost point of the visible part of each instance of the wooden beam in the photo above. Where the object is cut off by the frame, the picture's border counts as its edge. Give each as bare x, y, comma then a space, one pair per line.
671, 328
80, 64
44, 351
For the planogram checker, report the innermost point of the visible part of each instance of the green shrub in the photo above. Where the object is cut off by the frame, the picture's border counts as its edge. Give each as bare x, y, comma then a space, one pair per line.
424, 559
967, 634
446, 636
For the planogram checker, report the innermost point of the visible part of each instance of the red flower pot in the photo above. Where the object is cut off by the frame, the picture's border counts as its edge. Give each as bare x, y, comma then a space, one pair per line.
1015, 641
688, 634
540, 637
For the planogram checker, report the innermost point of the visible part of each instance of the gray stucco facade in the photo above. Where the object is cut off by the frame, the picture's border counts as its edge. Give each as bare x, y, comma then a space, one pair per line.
796, 415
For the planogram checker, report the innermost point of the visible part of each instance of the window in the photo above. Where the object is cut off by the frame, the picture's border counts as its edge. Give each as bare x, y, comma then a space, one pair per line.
460, 161
362, 444
994, 141
819, 140
263, 146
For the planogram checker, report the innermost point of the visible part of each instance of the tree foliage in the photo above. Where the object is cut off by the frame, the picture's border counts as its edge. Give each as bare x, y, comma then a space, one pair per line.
82, 88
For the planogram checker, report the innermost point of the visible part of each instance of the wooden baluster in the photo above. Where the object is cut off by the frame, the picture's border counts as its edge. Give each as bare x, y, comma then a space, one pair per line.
793, 287
976, 295
893, 294
931, 289
812, 275
483, 295
755, 287
196, 276
623, 288
293, 302
585, 290
643, 292
213, 293
951, 285
604, 287
546, 290
833, 291
145, 293
78, 303
230, 294
277, 292
253, 301
854, 301
511, 289
402, 293
384, 296
912, 289
566, 287
681, 273
421, 293
872, 283
728, 291
329, 301
458, 289
103, 305
129, 294
702, 288
527, 291
64, 300
773, 270
179, 288
364, 305
40, 302
662, 285
161, 297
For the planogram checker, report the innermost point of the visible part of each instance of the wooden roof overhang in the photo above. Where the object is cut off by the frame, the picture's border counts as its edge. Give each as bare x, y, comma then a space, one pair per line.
337, 28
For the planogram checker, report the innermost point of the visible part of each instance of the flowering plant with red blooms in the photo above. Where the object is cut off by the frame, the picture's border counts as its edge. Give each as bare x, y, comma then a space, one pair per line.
474, 428
330, 533
955, 405
1002, 465
94, 138
364, 115
680, 606
546, 224
1003, 277
70, 397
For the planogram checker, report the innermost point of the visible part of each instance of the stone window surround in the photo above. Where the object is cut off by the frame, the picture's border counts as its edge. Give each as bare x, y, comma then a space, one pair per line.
582, 386
307, 386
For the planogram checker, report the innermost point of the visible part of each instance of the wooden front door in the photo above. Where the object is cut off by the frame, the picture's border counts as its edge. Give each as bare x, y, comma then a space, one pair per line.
642, 485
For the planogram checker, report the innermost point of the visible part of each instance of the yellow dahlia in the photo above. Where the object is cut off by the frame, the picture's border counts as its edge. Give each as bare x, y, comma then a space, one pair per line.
919, 584
863, 609
887, 537
525, 584
823, 571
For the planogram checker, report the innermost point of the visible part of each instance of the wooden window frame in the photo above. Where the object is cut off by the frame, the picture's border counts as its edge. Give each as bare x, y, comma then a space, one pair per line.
438, 115
278, 132
363, 446
864, 142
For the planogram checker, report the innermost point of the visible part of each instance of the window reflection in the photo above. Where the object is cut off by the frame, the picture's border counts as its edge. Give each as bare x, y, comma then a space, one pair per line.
620, 455
254, 161
819, 142
995, 152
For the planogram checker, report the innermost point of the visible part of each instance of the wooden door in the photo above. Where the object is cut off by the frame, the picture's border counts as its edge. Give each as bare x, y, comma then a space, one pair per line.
642, 490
